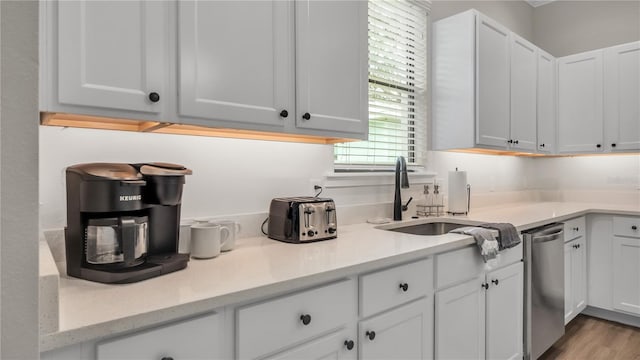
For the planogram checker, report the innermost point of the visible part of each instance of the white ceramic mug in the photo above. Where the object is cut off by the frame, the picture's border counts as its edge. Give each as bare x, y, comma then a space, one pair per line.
207, 240
233, 229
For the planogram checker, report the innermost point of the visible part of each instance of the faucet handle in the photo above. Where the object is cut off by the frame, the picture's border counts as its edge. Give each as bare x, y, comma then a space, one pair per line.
405, 207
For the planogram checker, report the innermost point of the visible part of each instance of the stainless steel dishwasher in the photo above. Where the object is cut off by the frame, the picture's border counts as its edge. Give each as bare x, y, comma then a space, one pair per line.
543, 289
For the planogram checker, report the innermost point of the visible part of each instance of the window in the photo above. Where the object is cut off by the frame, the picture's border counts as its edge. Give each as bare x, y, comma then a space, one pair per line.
397, 88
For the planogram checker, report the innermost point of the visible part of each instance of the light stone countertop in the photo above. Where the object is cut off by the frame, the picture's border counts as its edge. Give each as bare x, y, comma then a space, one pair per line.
260, 267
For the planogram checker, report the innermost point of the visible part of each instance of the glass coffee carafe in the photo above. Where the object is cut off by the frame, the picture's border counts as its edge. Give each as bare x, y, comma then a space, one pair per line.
118, 241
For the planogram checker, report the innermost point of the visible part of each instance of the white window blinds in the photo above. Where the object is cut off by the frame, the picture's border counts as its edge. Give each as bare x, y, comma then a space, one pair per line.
397, 88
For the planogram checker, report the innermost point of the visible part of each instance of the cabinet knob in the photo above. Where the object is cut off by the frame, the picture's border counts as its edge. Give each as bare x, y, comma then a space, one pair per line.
515, 141
166, 358
575, 246
634, 227
370, 334
349, 344
284, 113
598, 146
613, 145
576, 229
510, 141
154, 97
495, 281
305, 318
404, 287
306, 116
541, 145
485, 286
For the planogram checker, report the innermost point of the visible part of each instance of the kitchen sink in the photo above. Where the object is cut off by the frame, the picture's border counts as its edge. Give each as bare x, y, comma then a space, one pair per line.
430, 228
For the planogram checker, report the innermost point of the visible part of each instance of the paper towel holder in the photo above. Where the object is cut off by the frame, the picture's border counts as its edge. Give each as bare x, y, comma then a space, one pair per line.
468, 204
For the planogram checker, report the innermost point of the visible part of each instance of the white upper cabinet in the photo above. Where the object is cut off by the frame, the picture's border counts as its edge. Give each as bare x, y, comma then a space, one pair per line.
112, 54
331, 65
622, 97
546, 100
580, 120
523, 94
492, 47
294, 67
484, 85
236, 60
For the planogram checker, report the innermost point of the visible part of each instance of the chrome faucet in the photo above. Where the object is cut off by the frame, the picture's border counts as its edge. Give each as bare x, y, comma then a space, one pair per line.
402, 181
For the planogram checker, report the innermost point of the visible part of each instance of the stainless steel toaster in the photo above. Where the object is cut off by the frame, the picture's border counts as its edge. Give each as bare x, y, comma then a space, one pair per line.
302, 219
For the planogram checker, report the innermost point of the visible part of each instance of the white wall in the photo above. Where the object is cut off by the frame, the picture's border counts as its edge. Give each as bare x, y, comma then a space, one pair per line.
619, 173
232, 176
569, 27
18, 180
515, 15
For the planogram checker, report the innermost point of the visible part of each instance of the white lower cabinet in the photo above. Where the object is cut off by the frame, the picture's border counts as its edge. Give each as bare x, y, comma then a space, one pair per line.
575, 278
403, 333
504, 317
202, 337
284, 323
481, 317
614, 263
460, 321
199, 338
338, 345
626, 273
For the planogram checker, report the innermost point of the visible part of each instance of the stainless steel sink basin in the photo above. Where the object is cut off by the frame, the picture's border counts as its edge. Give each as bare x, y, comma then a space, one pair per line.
432, 228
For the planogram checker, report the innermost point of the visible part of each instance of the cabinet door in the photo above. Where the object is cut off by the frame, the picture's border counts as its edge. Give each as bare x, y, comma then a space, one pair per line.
569, 311
621, 94
580, 125
198, 338
579, 275
460, 321
504, 312
403, 333
236, 61
331, 65
492, 83
112, 54
546, 96
332, 346
600, 288
626, 274
523, 94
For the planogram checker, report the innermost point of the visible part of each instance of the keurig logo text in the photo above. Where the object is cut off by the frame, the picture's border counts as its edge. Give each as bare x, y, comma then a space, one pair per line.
130, 197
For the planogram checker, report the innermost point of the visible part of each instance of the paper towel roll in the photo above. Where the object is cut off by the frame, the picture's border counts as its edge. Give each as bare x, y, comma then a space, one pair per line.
457, 191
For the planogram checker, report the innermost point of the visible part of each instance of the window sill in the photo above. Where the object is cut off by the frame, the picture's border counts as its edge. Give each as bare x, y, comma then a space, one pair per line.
354, 179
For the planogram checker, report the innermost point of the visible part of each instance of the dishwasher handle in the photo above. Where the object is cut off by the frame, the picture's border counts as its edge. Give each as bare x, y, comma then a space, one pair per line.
549, 237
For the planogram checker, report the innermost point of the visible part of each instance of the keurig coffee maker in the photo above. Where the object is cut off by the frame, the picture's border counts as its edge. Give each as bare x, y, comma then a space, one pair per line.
123, 221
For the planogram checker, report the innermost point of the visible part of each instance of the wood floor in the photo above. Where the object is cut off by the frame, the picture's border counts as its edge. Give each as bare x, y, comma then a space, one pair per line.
589, 338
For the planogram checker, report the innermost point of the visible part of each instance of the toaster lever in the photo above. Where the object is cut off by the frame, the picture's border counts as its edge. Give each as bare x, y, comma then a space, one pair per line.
307, 213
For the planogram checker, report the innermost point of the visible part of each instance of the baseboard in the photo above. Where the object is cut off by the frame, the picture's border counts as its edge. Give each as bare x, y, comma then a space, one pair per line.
612, 316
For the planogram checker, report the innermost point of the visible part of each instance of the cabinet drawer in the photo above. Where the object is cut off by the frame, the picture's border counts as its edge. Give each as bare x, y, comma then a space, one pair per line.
274, 324
199, 338
574, 228
464, 264
385, 289
457, 266
626, 226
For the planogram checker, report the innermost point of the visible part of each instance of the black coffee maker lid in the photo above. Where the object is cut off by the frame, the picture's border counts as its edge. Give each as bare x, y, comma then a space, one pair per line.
164, 169
110, 171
